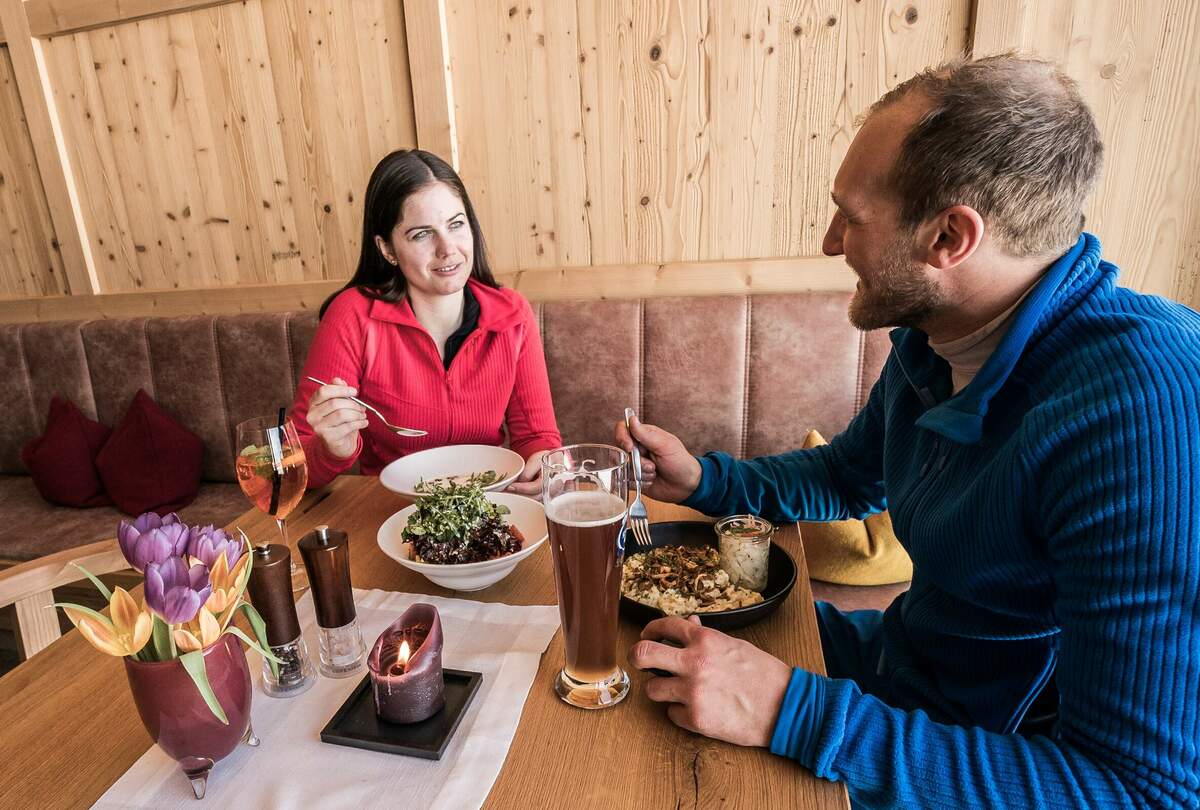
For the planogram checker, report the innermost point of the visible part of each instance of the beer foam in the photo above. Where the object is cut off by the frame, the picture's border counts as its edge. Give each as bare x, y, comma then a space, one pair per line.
584, 509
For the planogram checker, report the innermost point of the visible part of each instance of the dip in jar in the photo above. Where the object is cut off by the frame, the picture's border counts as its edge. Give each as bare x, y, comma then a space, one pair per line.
744, 544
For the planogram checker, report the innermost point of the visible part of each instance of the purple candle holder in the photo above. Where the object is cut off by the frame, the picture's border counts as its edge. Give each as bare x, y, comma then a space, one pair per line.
409, 689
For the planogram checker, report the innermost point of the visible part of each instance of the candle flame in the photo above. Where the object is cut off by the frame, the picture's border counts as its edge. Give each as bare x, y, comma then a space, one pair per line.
402, 658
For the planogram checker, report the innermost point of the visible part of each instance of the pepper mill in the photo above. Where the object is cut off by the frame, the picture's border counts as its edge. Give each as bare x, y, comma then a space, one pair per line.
326, 556
270, 589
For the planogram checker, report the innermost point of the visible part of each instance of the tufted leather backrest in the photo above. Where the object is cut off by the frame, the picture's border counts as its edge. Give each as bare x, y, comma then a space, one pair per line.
746, 374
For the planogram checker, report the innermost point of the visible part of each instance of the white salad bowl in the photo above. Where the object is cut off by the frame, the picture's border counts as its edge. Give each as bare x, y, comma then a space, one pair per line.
403, 474
525, 513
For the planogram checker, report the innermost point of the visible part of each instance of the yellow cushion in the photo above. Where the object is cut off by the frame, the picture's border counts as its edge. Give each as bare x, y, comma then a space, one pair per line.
853, 552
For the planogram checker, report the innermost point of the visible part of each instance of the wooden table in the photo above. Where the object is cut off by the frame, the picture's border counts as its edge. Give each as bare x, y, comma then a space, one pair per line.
69, 727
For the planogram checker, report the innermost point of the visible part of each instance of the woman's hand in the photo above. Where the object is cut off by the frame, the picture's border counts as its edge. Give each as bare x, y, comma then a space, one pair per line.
529, 482
335, 419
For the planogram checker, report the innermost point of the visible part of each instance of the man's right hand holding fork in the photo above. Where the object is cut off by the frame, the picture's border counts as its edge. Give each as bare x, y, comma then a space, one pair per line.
669, 472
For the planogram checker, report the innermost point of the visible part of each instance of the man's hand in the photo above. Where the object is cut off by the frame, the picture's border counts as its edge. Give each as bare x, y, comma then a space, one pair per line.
529, 482
722, 687
669, 472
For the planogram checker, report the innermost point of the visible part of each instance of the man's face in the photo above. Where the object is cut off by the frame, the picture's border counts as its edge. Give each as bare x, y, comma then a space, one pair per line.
894, 288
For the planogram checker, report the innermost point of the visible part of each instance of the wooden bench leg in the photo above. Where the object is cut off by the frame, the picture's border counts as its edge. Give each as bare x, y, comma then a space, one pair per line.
37, 623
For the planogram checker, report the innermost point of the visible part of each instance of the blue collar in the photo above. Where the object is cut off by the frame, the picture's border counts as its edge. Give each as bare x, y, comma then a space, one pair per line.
960, 417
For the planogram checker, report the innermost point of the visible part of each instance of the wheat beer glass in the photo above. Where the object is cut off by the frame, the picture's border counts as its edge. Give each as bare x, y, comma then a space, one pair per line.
584, 488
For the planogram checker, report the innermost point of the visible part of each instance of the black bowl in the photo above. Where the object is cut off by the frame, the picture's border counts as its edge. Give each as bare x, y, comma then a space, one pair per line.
781, 577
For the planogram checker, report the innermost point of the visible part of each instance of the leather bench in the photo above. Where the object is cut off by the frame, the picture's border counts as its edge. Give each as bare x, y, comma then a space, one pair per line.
749, 375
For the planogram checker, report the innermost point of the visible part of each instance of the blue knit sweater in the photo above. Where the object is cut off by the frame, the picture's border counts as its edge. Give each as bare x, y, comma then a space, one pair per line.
1052, 512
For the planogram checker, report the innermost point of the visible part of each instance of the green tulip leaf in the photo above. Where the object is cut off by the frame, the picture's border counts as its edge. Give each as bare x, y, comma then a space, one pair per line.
160, 637
100, 586
260, 632
193, 662
254, 645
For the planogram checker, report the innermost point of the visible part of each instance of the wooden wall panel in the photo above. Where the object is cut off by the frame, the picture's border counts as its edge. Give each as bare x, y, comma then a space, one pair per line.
50, 17
1136, 66
41, 119
213, 144
516, 115
433, 97
637, 131
230, 144
30, 263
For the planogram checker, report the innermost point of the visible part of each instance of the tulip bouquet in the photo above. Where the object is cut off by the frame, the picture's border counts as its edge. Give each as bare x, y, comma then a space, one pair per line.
195, 578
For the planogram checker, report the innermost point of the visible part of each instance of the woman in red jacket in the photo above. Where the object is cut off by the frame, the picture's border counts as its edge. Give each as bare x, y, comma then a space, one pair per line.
424, 333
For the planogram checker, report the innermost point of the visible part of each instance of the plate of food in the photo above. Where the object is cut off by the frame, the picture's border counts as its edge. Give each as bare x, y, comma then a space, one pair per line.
489, 467
681, 575
463, 538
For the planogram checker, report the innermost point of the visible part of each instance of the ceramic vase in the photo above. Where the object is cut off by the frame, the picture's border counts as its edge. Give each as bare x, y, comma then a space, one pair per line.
178, 719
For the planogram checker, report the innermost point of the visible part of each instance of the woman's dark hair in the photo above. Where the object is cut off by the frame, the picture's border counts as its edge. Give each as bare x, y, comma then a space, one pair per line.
394, 180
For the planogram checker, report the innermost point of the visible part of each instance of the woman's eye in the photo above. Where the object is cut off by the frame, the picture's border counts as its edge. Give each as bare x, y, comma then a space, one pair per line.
456, 224
420, 235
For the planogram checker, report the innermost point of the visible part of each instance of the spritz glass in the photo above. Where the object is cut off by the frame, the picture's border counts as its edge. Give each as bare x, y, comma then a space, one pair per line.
272, 472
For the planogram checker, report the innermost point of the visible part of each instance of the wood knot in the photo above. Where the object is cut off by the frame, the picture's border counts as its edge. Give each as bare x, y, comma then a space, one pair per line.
645, 201
831, 22
655, 52
910, 15
1108, 71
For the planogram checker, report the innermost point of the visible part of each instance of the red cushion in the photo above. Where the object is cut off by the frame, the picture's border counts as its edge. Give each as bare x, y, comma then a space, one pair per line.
62, 460
151, 463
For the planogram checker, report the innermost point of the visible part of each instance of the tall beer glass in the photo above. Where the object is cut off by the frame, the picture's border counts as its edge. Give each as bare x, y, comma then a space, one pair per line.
585, 488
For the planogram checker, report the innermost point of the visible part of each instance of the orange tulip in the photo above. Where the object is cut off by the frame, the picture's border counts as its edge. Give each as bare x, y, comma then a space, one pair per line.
198, 633
123, 632
227, 587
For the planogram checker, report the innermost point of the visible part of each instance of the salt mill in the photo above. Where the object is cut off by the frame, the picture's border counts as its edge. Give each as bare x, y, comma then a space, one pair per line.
326, 554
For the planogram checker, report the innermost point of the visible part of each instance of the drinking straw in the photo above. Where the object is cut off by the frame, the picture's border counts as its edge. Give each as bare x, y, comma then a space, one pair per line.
277, 478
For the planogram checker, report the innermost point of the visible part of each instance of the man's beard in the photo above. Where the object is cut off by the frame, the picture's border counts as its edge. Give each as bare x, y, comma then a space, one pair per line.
899, 293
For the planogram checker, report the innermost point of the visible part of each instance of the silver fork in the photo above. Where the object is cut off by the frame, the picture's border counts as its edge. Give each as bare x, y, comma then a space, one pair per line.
639, 521
401, 431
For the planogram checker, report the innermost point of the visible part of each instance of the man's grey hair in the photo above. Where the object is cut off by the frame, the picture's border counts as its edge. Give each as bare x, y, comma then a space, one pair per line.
1008, 136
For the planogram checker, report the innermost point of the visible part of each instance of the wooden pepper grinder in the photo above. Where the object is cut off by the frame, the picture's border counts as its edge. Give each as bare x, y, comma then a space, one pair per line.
270, 589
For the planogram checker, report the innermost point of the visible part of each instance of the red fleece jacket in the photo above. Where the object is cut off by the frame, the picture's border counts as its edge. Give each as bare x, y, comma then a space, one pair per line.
498, 378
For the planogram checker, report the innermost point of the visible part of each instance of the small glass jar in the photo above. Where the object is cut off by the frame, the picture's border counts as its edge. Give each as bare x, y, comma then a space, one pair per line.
744, 543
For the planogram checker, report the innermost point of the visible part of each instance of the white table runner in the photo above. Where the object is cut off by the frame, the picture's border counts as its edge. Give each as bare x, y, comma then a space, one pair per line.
293, 768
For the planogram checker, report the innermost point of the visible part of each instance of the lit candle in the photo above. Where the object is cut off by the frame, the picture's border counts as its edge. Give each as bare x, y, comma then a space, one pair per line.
406, 667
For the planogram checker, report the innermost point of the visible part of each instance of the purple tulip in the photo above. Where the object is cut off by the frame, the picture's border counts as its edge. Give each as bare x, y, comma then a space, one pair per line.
176, 592
208, 543
152, 539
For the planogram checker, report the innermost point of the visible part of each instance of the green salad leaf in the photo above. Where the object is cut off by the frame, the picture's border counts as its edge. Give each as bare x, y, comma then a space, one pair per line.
456, 523
481, 479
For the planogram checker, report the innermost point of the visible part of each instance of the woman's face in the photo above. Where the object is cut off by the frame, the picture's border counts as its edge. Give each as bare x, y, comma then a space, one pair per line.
431, 244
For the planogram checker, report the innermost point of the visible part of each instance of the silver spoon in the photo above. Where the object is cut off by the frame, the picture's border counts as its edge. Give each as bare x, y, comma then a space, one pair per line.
401, 431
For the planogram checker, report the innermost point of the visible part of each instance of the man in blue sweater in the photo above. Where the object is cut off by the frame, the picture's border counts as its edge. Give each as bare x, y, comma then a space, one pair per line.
1035, 434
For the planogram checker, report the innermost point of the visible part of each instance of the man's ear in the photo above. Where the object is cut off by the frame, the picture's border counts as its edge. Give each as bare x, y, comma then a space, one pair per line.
949, 238
385, 250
